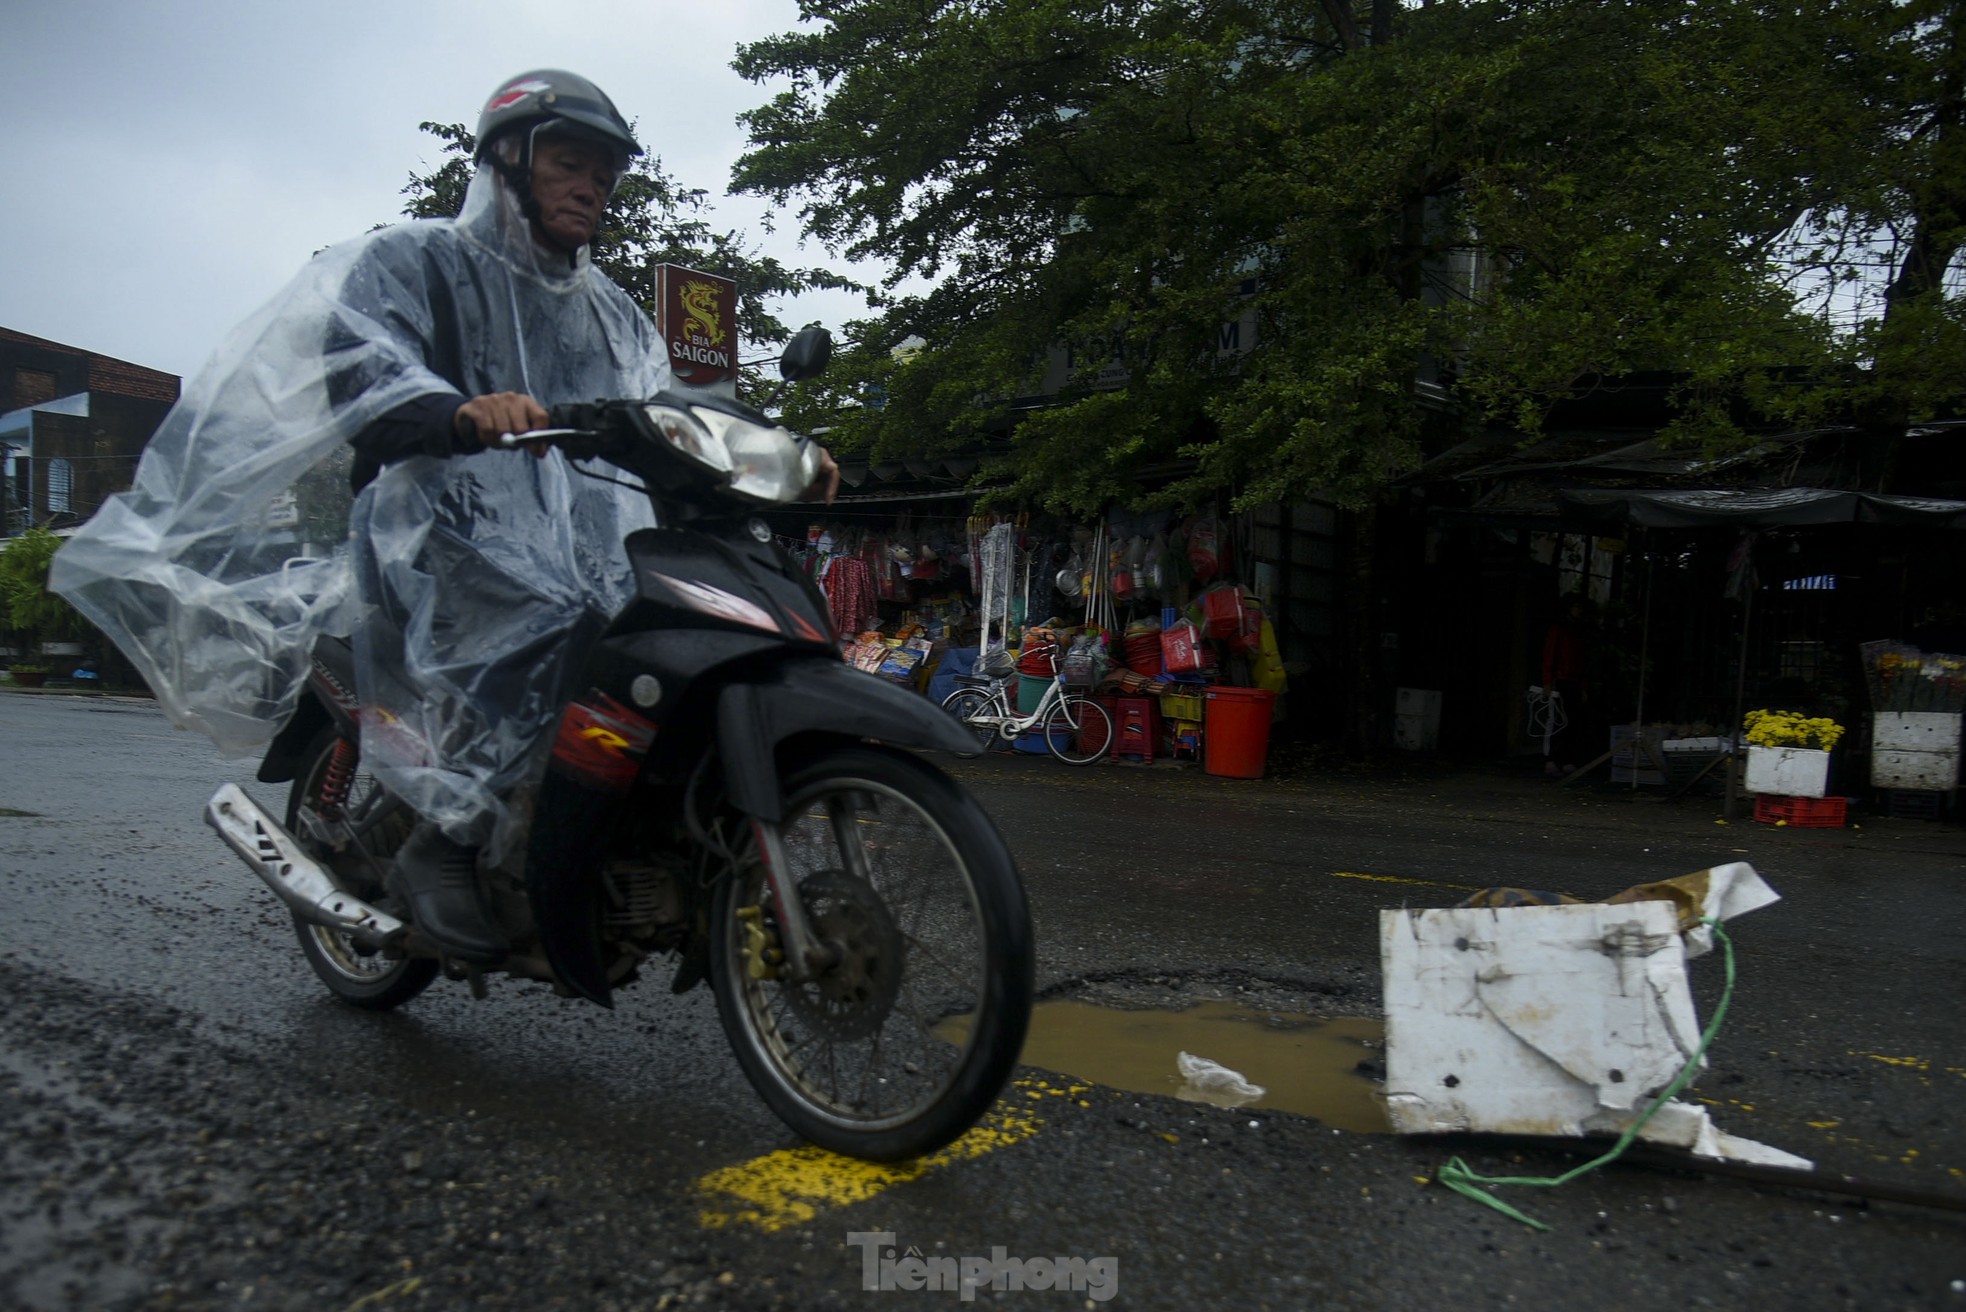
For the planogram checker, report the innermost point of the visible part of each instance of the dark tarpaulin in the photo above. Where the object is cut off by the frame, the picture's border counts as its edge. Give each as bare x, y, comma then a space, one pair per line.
1756, 508
1750, 508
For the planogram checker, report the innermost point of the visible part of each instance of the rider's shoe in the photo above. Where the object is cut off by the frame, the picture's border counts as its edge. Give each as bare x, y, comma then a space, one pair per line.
440, 879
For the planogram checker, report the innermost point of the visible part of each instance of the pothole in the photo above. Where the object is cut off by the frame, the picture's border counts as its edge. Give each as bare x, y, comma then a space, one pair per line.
1321, 1067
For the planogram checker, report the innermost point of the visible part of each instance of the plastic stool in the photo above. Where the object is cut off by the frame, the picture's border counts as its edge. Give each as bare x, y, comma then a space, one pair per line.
1136, 728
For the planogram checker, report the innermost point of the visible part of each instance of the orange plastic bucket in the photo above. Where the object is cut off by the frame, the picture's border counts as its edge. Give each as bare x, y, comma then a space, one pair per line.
1236, 740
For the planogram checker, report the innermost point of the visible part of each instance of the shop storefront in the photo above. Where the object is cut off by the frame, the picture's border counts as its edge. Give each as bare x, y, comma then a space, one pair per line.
1169, 623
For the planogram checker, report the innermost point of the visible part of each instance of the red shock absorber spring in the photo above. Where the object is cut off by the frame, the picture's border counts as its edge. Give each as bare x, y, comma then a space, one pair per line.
339, 774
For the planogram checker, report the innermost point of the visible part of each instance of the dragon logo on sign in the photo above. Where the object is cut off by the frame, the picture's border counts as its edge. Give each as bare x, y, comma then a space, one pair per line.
702, 317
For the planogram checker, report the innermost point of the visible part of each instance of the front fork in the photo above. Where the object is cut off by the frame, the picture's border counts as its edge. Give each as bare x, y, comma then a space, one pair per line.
803, 952
805, 955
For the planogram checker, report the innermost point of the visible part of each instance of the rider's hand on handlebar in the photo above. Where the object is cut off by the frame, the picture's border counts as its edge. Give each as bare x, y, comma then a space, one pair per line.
827, 479
499, 414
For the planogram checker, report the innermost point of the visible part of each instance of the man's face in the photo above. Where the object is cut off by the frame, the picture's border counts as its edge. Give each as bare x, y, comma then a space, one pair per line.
571, 180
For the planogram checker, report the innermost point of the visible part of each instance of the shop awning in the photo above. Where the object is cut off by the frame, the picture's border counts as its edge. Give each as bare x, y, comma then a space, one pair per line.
1755, 507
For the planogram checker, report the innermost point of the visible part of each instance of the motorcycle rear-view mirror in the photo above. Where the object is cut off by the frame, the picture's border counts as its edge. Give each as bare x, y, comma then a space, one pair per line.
806, 355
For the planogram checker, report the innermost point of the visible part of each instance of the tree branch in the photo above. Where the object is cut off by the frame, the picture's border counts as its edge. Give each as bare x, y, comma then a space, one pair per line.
1342, 18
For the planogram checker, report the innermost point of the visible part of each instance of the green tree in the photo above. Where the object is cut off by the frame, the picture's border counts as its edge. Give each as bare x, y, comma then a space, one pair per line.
1888, 234
34, 613
650, 220
1434, 217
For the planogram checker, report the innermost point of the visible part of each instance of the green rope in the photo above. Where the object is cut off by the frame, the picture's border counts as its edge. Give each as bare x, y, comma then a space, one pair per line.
1458, 1176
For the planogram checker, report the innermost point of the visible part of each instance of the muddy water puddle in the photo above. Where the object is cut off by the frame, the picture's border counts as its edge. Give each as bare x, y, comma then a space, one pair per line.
1304, 1064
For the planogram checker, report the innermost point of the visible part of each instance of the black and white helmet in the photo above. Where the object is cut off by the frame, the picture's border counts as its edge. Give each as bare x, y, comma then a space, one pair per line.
552, 99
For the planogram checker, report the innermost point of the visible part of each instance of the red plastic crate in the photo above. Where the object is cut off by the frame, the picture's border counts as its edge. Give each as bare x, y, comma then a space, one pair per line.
1807, 812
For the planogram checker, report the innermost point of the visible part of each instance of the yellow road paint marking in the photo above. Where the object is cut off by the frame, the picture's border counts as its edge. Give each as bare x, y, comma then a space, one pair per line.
1400, 879
1908, 1063
1735, 1103
792, 1186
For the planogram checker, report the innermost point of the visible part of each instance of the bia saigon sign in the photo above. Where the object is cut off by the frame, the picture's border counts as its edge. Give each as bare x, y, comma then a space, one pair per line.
698, 322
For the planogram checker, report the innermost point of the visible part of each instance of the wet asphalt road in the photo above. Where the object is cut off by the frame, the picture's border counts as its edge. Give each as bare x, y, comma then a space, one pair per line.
195, 1124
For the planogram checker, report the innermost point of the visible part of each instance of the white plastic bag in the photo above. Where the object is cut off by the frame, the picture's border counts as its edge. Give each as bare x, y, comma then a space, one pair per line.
1214, 1082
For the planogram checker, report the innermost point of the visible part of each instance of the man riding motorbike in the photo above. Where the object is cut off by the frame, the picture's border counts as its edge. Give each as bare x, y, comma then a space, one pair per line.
472, 577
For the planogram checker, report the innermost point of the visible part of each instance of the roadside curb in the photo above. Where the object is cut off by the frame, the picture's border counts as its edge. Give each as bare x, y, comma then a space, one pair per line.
77, 692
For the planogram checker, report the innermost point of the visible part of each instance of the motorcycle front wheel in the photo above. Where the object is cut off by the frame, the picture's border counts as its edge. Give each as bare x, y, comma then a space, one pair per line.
321, 793
896, 1048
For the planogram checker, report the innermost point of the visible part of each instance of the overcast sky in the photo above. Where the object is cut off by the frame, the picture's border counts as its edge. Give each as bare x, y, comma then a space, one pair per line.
170, 166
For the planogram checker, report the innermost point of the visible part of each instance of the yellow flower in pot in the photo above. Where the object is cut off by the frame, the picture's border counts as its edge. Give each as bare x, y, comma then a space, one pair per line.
1788, 753
1792, 729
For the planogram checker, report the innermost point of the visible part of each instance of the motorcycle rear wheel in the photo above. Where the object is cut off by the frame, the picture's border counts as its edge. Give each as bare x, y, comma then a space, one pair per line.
903, 1044
360, 977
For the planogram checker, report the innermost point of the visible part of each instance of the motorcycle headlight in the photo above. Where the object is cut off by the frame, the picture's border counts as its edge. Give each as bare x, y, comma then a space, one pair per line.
685, 431
766, 464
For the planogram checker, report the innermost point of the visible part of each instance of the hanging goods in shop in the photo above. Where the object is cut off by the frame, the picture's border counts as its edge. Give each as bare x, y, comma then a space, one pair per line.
997, 551
1182, 649
1099, 611
849, 588
1222, 611
1230, 614
1205, 548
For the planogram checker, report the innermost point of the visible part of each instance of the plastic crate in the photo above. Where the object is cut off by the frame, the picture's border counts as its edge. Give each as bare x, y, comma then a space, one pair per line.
1914, 804
1182, 706
1804, 812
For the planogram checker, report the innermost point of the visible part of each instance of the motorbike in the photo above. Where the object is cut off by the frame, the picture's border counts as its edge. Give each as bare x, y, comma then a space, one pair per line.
724, 792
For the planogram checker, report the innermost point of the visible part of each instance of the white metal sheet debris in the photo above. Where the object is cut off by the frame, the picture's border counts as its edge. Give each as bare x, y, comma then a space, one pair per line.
1560, 1020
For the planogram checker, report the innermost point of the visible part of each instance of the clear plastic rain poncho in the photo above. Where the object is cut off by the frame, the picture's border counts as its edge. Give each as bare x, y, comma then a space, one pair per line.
471, 584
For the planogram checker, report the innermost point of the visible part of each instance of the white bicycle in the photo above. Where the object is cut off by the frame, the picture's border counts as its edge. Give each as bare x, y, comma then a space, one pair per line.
1077, 730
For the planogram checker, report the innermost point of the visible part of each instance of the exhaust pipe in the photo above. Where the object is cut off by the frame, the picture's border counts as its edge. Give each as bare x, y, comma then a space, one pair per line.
265, 845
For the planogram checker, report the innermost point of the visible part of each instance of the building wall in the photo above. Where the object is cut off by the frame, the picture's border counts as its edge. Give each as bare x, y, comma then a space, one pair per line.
34, 370
126, 403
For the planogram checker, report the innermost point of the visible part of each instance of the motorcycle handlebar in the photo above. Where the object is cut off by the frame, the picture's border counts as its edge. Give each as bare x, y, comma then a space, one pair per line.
555, 435
579, 443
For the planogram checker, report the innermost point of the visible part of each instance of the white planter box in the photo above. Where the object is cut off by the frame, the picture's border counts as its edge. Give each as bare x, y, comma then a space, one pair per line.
1915, 749
1788, 771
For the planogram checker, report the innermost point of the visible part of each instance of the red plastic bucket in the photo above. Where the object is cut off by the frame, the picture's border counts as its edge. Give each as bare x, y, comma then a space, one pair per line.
1236, 740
